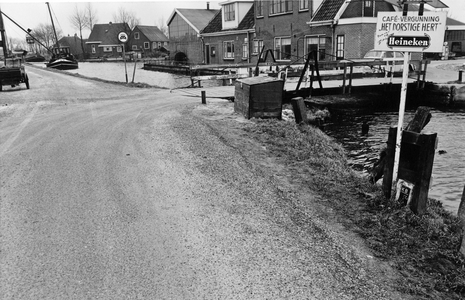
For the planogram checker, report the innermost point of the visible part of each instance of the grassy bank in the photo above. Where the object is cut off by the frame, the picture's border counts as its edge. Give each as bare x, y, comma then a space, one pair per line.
423, 249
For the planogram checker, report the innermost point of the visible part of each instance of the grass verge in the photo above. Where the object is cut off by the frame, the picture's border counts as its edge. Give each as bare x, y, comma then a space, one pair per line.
424, 249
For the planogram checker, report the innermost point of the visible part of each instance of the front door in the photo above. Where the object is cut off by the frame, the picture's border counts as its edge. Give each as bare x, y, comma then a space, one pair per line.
207, 54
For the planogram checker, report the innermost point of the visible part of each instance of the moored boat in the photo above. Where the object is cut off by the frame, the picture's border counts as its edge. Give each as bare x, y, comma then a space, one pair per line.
62, 59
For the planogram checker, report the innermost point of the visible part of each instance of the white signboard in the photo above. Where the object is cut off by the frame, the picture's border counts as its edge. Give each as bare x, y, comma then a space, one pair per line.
413, 33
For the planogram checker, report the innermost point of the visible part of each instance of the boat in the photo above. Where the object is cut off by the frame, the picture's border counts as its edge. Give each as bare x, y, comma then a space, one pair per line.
34, 58
62, 58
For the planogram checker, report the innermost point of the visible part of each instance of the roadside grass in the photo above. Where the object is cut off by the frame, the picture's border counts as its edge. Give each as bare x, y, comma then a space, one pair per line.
424, 249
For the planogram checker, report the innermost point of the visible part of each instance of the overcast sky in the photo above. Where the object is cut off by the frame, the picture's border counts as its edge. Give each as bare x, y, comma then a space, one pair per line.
31, 13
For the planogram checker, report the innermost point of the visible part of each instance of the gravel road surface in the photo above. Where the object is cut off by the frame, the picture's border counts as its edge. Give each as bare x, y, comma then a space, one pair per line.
109, 192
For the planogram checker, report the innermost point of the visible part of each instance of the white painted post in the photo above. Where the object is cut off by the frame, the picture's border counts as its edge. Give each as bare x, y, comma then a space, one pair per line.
403, 96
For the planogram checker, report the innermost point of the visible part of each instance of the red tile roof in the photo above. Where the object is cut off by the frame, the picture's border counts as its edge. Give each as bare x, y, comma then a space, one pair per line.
216, 24
328, 10
107, 34
152, 33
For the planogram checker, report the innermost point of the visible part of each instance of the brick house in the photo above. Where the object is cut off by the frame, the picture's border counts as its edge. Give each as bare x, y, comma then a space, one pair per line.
281, 26
103, 40
147, 39
226, 37
184, 26
338, 29
347, 26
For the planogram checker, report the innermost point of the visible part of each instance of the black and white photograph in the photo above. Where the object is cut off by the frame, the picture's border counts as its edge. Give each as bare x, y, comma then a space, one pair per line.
232, 149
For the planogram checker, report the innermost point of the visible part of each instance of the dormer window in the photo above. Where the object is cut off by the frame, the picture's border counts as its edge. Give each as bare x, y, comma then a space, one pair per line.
229, 12
368, 8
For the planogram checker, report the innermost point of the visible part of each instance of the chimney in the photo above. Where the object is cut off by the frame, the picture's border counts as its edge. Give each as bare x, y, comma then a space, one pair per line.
208, 5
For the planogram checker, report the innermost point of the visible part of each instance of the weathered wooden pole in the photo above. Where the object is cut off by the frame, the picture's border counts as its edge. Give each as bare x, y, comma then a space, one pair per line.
427, 142
461, 215
204, 97
300, 111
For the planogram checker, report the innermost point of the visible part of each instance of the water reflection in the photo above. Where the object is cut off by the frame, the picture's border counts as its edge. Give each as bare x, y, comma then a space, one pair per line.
449, 167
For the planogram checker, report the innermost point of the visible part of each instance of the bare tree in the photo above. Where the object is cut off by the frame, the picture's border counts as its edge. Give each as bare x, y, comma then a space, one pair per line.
91, 16
79, 22
162, 26
128, 17
44, 33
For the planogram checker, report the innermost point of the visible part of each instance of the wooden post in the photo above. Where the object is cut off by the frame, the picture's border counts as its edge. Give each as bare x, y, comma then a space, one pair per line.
389, 164
427, 142
344, 80
460, 75
300, 111
204, 97
461, 216
350, 77
424, 75
420, 119
135, 65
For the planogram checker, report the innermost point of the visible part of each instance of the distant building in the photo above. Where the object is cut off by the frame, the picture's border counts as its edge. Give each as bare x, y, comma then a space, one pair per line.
227, 36
103, 40
184, 26
455, 36
149, 40
75, 44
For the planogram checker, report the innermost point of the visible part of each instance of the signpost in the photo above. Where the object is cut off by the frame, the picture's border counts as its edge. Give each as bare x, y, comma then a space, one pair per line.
408, 32
123, 38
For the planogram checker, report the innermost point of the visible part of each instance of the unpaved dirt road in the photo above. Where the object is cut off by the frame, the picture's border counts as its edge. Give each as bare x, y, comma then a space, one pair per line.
109, 192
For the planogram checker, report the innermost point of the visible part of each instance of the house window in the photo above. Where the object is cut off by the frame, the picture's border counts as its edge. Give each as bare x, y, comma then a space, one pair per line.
316, 43
119, 49
134, 47
303, 4
340, 47
245, 50
282, 48
229, 12
212, 51
368, 8
159, 45
228, 50
136, 35
146, 45
93, 49
107, 49
259, 8
257, 46
280, 6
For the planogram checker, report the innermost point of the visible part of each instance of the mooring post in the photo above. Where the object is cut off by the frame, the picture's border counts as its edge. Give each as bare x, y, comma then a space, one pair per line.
204, 97
461, 216
344, 79
350, 77
427, 143
300, 111
389, 165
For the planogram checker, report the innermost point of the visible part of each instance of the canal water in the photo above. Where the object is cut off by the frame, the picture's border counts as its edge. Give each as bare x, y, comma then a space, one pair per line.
116, 71
363, 151
449, 160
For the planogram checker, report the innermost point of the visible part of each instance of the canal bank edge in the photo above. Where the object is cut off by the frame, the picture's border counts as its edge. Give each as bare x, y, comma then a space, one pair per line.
423, 251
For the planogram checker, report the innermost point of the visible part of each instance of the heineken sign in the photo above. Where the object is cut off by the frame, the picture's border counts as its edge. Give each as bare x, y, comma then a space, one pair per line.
414, 33
409, 41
